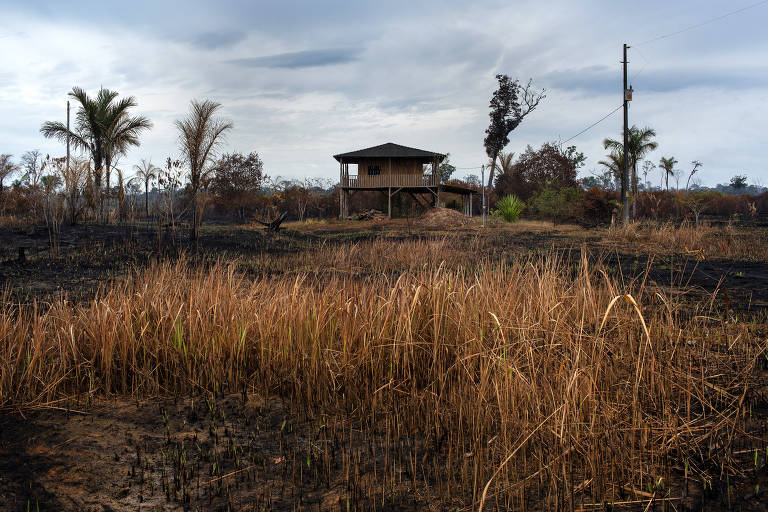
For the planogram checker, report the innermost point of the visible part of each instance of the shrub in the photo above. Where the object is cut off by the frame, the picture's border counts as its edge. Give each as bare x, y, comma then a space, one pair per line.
535, 170
556, 203
597, 206
509, 208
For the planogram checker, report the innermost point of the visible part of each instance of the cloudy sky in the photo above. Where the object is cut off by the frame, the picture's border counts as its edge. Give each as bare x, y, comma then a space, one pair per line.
303, 80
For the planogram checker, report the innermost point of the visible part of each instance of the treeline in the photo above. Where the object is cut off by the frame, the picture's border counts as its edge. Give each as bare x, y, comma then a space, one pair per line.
545, 179
40, 189
44, 190
543, 182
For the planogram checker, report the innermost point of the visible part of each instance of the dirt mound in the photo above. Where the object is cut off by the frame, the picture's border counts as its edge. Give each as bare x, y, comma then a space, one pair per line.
444, 217
368, 215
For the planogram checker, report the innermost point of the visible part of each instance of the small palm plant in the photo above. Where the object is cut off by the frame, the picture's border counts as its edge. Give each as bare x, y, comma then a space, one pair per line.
509, 208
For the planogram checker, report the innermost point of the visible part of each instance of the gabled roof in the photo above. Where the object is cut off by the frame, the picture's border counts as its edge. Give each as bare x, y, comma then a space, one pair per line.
389, 150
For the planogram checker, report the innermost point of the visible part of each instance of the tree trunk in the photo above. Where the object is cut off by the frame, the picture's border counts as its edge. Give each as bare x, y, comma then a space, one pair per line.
634, 189
492, 170
195, 219
108, 164
107, 174
146, 198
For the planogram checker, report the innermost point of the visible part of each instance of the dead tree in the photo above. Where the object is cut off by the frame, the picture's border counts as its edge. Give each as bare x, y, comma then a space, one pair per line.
275, 224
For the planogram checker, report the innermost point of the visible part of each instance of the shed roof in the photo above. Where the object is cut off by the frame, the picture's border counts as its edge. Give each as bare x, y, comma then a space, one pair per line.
389, 150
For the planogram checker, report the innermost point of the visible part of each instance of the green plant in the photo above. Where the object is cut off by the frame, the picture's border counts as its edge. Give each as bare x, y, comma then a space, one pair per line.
556, 203
509, 208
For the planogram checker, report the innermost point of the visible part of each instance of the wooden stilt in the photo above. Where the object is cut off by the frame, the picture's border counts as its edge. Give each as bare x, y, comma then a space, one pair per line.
436, 177
389, 202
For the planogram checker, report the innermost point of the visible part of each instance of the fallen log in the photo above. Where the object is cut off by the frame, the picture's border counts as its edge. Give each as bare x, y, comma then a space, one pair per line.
275, 224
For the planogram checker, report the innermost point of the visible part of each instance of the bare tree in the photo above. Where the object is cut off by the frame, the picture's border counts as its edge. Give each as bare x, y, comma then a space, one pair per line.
32, 164
648, 166
53, 208
301, 194
170, 180
200, 134
696, 166
697, 203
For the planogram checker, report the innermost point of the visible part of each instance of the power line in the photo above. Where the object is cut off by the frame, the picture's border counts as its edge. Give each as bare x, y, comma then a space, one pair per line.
647, 62
642, 68
707, 22
606, 116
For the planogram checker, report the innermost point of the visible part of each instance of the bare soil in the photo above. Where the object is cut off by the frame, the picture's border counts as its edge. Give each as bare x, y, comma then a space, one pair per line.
237, 452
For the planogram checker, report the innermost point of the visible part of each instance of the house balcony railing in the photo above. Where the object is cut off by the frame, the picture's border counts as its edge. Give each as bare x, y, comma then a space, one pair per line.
389, 180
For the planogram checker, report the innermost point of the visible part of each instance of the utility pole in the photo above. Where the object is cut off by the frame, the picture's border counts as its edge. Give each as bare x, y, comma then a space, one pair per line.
482, 184
627, 94
67, 138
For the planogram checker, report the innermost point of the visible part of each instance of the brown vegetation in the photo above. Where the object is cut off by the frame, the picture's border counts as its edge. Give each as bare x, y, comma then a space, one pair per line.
704, 240
526, 382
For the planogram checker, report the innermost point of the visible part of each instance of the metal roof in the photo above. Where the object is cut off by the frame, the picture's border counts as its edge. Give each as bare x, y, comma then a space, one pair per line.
389, 150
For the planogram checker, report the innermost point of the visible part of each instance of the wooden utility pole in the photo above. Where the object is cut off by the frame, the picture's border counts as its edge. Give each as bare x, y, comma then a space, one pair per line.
482, 185
625, 172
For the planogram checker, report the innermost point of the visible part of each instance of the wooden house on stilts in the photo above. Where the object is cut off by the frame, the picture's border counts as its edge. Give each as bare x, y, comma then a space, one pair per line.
393, 169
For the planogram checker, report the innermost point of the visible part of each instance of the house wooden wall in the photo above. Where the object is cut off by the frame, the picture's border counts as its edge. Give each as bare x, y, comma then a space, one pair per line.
398, 166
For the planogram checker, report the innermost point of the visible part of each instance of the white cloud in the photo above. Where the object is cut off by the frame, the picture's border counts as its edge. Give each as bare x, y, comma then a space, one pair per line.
345, 77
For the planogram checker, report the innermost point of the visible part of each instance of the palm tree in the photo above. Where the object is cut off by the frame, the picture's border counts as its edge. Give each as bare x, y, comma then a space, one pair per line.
639, 144
103, 128
614, 162
696, 166
200, 134
146, 172
504, 162
668, 164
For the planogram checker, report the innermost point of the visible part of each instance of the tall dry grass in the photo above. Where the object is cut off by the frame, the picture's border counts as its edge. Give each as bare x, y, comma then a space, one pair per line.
537, 380
377, 256
704, 240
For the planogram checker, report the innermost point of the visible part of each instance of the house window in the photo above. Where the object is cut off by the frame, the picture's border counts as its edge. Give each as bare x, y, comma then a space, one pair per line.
374, 170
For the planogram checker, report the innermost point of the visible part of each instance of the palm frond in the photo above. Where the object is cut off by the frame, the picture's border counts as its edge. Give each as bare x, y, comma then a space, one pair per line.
57, 130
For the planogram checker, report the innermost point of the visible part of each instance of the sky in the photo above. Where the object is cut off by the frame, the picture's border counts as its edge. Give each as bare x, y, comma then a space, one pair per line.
304, 80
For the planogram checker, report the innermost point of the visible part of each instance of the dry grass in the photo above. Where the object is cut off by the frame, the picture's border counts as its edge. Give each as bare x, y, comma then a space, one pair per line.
377, 256
9, 221
535, 380
704, 241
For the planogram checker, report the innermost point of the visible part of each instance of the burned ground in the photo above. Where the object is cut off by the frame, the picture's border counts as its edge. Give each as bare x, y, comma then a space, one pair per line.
257, 451
91, 256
